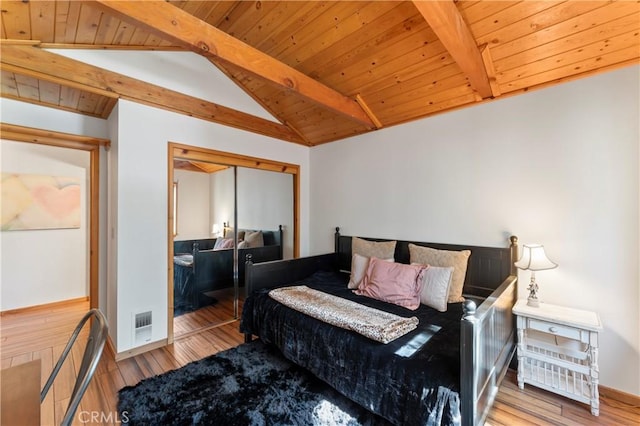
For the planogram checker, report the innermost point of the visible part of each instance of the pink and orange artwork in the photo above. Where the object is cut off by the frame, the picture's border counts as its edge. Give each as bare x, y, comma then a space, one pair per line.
39, 202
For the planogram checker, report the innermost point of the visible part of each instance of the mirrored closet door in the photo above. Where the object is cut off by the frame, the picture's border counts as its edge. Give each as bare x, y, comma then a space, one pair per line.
222, 215
204, 291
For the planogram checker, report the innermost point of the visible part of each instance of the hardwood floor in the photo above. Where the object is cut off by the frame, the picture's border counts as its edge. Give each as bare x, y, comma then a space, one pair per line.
42, 334
208, 316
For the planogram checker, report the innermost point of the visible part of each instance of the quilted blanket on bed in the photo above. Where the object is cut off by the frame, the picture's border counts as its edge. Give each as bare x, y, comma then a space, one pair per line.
373, 323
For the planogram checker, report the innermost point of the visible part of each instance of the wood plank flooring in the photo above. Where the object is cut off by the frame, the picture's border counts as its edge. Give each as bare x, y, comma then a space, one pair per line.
41, 334
208, 316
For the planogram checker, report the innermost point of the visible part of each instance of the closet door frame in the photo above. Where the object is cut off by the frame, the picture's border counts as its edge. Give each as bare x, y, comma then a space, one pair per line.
187, 152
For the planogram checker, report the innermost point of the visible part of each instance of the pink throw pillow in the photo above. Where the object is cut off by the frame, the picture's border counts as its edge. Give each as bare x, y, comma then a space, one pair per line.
226, 243
392, 282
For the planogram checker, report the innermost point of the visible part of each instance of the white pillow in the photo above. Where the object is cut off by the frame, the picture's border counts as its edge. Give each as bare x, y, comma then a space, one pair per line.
359, 265
445, 258
435, 289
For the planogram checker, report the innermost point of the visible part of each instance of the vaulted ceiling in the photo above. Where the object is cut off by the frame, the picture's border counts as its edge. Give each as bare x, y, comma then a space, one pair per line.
325, 70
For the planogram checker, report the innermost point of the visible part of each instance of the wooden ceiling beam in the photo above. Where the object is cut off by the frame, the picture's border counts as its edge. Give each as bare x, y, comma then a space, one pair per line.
491, 70
370, 113
448, 24
90, 46
37, 63
180, 27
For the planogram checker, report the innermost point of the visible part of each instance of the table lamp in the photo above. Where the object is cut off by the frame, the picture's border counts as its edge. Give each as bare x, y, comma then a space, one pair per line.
534, 259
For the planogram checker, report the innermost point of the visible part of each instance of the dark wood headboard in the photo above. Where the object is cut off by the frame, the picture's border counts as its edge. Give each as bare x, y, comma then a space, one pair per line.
488, 267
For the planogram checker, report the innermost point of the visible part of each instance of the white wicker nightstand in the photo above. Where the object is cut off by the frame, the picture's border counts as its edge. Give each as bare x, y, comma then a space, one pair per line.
558, 350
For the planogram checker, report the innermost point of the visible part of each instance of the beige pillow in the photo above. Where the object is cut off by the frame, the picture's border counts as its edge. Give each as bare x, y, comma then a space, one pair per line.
457, 259
229, 233
435, 290
254, 238
381, 250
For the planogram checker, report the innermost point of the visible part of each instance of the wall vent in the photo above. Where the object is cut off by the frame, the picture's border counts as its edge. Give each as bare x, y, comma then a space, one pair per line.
142, 323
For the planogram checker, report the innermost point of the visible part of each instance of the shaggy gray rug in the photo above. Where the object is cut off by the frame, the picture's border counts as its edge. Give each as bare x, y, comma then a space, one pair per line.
251, 384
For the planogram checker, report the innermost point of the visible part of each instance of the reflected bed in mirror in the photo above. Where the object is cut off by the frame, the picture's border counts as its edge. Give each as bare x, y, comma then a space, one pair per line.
200, 268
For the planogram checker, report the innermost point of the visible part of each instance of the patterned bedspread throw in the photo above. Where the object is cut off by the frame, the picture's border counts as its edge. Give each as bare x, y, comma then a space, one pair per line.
373, 323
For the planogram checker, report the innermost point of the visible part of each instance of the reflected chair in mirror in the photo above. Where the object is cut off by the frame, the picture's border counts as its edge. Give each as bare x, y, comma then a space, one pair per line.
92, 352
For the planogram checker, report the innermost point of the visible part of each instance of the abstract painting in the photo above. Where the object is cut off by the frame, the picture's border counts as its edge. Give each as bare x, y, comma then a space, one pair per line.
39, 202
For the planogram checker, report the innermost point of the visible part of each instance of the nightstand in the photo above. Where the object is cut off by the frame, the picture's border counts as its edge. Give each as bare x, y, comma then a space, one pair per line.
558, 350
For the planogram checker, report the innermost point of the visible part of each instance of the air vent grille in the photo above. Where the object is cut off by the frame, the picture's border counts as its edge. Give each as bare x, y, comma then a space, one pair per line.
142, 327
143, 319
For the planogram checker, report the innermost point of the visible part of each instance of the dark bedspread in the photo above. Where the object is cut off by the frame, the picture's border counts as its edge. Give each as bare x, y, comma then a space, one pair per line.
183, 291
413, 380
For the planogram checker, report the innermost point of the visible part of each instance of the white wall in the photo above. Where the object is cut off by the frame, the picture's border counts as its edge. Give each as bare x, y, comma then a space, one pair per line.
265, 200
143, 135
45, 265
222, 188
30, 115
111, 210
557, 166
193, 205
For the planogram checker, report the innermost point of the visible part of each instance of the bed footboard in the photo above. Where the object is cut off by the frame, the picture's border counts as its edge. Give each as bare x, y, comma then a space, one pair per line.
486, 348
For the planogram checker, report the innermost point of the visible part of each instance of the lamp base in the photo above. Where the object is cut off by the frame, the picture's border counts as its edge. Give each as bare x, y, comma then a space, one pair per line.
533, 302
533, 292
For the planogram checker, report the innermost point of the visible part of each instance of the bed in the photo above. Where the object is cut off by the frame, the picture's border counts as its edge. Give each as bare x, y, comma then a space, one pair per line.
446, 371
200, 267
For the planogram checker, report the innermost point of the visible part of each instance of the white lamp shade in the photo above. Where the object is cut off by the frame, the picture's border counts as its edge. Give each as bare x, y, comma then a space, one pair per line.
534, 258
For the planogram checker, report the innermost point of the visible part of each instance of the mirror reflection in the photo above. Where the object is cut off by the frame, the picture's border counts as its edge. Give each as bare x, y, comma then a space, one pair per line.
210, 250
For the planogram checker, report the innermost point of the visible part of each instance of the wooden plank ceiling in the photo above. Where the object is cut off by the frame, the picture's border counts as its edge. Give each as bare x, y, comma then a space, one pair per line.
198, 166
325, 70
